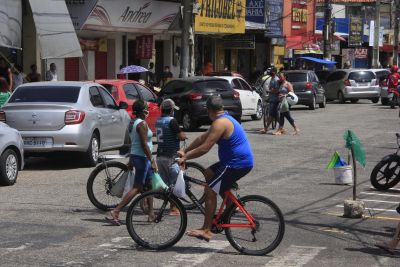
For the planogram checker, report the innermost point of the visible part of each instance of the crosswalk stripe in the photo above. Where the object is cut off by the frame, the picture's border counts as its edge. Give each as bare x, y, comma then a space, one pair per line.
372, 209
379, 194
193, 256
391, 189
380, 201
295, 256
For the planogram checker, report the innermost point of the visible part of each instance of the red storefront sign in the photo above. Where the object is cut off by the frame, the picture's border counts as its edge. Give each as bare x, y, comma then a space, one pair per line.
299, 16
144, 47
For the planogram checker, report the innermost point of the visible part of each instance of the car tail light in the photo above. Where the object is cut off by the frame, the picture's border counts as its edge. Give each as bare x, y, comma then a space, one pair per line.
347, 83
309, 86
2, 116
74, 117
236, 95
195, 96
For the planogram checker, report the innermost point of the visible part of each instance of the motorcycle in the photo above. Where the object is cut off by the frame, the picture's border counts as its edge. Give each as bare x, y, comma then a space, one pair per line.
386, 174
394, 97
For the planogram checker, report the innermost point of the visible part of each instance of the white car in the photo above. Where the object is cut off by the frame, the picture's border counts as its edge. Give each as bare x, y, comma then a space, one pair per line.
11, 154
251, 100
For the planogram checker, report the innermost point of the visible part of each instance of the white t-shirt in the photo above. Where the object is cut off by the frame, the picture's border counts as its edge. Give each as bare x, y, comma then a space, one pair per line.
50, 76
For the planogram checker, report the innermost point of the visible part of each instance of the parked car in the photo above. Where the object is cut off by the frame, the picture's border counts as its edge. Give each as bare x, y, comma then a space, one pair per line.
191, 94
129, 91
11, 154
352, 84
225, 73
381, 77
67, 116
307, 87
249, 97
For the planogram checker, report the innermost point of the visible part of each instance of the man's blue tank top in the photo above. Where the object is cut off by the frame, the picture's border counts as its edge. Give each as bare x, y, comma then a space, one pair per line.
235, 152
168, 144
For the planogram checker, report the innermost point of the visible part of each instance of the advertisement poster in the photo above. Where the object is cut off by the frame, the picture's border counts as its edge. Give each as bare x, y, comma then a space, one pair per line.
255, 14
273, 18
221, 16
355, 32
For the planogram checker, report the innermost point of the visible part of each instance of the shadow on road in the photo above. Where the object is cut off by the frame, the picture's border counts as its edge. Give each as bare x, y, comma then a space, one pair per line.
54, 162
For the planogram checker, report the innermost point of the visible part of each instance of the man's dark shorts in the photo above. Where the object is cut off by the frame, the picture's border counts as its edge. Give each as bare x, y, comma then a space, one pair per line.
225, 177
273, 109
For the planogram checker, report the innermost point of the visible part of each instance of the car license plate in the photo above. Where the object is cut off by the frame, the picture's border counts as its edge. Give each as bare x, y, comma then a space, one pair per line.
38, 141
362, 84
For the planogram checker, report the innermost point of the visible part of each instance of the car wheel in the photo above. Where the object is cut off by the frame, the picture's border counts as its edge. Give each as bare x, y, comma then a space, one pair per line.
341, 97
259, 112
353, 101
375, 100
313, 104
323, 103
188, 123
92, 154
384, 101
9, 163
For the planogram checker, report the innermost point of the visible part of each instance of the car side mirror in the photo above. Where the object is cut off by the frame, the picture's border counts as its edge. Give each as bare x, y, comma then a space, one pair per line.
122, 105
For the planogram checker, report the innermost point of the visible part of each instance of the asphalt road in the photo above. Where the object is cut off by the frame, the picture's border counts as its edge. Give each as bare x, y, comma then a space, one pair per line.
46, 219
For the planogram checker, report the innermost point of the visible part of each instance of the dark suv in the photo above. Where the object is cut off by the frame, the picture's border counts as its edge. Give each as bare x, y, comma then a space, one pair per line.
191, 94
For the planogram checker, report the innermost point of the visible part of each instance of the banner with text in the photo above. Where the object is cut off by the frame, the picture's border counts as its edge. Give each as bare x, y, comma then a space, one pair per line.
355, 32
273, 18
255, 14
221, 16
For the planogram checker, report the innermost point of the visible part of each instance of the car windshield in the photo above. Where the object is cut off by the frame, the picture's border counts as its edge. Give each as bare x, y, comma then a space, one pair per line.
212, 85
296, 77
53, 94
361, 76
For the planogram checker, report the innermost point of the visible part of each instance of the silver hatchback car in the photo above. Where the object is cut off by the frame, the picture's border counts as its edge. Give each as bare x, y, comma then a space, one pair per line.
11, 154
67, 116
352, 84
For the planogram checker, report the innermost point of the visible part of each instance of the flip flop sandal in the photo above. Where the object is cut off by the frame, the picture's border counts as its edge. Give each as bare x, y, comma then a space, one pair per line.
113, 221
200, 237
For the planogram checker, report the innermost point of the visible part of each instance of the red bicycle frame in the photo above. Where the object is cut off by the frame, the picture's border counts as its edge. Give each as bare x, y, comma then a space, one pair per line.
249, 218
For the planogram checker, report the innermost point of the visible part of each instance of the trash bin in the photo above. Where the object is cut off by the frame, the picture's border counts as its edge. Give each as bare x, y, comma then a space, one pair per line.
343, 174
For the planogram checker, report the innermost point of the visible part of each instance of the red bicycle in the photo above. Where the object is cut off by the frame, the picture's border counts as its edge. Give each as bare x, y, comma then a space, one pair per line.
253, 224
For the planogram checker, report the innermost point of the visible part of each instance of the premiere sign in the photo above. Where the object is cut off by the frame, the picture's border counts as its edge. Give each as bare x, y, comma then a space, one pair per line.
221, 16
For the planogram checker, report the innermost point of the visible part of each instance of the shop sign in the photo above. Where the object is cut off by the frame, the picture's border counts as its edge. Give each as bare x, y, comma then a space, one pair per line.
299, 14
355, 32
239, 42
273, 18
99, 45
221, 16
144, 47
79, 10
132, 16
361, 53
255, 14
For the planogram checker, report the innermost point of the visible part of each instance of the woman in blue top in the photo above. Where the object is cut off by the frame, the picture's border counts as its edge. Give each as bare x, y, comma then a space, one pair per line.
140, 158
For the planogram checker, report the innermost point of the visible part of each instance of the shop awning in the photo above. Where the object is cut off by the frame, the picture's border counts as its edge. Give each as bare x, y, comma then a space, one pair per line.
10, 23
54, 28
318, 60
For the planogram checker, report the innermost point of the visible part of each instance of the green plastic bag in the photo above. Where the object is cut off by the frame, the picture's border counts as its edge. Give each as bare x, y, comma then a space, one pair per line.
352, 141
284, 107
157, 182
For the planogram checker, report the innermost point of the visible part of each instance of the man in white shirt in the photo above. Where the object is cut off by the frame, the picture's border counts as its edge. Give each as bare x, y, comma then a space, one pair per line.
51, 75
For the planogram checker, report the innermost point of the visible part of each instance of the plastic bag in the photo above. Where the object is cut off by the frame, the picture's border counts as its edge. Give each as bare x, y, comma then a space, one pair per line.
180, 186
284, 105
118, 188
157, 182
129, 183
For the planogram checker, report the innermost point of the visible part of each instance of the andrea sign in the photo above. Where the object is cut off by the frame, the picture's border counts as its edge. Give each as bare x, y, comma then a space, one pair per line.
144, 16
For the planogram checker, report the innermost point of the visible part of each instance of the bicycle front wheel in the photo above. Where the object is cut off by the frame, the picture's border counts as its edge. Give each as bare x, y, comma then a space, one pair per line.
269, 230
100, 182
162, 233
195, 179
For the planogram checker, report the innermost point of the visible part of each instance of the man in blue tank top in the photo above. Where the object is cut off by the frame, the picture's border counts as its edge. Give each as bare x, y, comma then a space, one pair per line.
235, 159
169, 136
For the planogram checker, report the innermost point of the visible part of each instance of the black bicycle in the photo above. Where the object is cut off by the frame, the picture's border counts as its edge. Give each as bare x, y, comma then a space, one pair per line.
109, 171
253, 225
386, 173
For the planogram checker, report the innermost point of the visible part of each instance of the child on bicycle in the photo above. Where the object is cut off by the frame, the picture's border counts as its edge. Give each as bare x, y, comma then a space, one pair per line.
169, 136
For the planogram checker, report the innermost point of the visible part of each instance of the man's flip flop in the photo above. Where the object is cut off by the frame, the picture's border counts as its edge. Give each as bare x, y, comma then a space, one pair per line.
113, 221
201, 237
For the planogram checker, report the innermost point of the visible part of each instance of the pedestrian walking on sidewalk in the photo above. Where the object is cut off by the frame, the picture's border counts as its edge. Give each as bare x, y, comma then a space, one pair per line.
285, 88
33, 76
51, 75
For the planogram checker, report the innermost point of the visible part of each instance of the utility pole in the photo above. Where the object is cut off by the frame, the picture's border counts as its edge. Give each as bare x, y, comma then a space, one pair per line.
396, 33
186, 31
375, 55
326, 29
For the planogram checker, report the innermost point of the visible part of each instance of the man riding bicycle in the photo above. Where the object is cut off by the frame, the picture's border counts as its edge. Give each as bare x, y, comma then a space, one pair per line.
235, 159
273, 99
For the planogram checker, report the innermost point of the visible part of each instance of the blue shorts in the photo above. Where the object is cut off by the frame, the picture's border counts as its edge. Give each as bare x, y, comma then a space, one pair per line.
273, 109
225, 177
143, 171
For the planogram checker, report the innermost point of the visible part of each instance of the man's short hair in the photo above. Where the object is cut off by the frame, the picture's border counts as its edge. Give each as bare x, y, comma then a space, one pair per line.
215, 103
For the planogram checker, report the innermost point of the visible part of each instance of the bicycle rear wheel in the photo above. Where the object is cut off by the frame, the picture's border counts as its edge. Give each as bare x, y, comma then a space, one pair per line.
162, 233
196, 172
99, 186
269, 231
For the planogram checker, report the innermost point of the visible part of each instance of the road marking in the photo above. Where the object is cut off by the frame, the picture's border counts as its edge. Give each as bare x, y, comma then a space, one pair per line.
372, 209
198, 254
380, 201
295, 256
391, 189
377, 194
332, 230
118, 239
